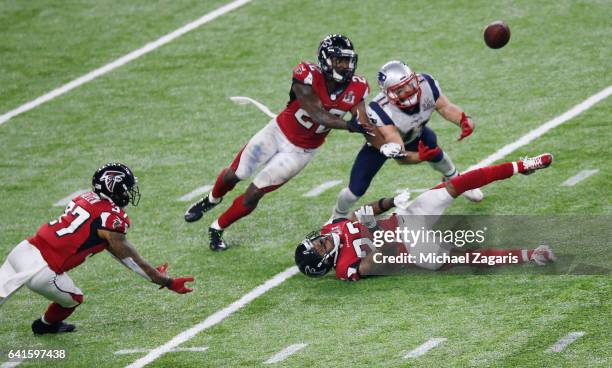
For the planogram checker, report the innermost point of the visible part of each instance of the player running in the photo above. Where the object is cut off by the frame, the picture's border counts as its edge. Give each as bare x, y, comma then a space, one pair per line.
347, 245
401, 111
320, 96
92, 222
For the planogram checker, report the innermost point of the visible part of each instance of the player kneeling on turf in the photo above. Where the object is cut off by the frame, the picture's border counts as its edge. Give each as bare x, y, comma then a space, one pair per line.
92, 222
346, 245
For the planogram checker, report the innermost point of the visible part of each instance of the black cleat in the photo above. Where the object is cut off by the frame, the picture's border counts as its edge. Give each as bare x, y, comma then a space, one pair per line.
40, 328
196, 210
216, 240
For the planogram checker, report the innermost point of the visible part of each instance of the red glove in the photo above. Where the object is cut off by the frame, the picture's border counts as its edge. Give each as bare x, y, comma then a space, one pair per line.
178, 285
466, 125
426, 153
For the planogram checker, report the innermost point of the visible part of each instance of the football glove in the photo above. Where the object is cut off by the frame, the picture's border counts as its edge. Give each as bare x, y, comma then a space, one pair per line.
178, 285
354, 126
402, 200
392, 150
466, 125
426, 153
365, 216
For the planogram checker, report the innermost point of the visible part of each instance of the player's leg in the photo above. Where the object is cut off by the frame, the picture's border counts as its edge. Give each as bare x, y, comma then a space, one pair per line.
367, 163
65, 297
280, 169
21, 264
253, 155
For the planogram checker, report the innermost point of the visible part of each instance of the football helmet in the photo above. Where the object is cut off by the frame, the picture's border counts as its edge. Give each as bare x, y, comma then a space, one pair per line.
400, 84
116, 182
333, 49
309, 261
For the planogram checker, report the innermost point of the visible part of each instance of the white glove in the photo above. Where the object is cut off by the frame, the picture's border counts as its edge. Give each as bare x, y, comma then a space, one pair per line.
402, 200
391, 150
365, 216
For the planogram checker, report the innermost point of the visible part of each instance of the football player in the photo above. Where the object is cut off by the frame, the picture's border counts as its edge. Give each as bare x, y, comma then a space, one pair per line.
320, 96
401, 111
92, 222
347, 245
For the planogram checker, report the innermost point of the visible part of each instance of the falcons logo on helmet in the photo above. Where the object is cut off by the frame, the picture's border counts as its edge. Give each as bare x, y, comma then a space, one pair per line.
110, 178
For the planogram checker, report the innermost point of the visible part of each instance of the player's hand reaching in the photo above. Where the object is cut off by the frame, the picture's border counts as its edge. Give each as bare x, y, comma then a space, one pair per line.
354, 126
178, 285
466, 125
392, 150
163, 269
365, 216
426, 153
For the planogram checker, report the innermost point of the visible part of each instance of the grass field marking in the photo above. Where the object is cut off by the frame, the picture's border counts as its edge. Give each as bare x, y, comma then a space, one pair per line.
175, 350
424, 348
11, 364
198, 192
537, 132
64, 201
322, 188
242, 100
215, 318
565, 341
579, 177
122, 60
285, 353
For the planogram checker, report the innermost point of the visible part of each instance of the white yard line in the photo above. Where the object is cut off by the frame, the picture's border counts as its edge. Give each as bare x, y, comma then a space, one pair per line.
198, 192
537, 132
175, 350
427, 346
579, 177
64, 201
241, 100
565, 341
215, 318
123, 60
11, 364
322, 188
285, 353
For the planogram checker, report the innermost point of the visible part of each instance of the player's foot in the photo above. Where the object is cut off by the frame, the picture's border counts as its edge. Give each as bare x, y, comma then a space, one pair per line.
196, 210
474, 195
216, 240
543, 255
531, 164
39, 327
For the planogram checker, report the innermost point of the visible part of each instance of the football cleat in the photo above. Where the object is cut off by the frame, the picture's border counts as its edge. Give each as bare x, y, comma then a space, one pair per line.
531, 164
474, 195
196, 210
216, 240
543, 255
40, 328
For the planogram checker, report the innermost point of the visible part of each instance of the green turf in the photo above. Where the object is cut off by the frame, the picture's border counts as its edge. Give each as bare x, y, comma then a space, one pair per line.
168, 116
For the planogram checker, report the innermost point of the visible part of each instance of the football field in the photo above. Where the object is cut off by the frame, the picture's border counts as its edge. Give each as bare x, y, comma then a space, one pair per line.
166, 112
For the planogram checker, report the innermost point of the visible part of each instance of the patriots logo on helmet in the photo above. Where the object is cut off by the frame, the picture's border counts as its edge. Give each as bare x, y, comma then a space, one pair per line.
111, 177
382, 77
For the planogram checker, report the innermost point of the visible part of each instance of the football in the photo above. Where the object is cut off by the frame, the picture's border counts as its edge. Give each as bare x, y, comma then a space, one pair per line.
497, 34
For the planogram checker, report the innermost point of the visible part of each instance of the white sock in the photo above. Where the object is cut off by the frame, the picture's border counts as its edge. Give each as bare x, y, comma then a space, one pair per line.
515, 167
215, 225
445, 166
42, 318
346, 200
213, 199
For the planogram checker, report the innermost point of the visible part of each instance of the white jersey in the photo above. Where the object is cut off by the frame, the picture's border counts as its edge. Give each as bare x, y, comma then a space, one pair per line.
409, 122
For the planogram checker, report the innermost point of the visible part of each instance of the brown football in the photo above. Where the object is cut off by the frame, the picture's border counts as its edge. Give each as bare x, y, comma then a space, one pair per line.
497, 34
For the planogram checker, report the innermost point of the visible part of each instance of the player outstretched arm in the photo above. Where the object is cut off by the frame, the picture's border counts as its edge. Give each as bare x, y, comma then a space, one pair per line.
456, 115
124, 251
380, 206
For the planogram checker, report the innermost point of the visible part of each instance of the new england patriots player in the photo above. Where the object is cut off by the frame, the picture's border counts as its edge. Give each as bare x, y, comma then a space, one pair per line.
92, 222
320, 96
401, 111
347, 245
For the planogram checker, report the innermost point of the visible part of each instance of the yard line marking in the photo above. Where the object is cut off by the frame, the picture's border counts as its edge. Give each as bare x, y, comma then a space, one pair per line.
215, 318
285, 353
123, 60
540, 130
175, 350
579, 177
11, 364
64, 201
242, 100
565, 341
428, 345
195, 193
322, 188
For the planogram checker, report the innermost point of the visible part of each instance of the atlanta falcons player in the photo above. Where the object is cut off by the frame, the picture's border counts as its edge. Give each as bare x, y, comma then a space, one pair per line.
320, 96
92, 222
401, 111
347, 245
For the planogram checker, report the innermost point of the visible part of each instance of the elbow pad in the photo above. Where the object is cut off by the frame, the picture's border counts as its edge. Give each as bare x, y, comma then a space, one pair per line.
129, 263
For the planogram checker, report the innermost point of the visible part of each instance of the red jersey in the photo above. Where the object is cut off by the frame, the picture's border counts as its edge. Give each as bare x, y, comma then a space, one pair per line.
66, 242
294, 121
355, 244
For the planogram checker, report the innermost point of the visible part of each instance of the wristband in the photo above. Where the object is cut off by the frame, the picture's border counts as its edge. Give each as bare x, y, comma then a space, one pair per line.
168, 283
